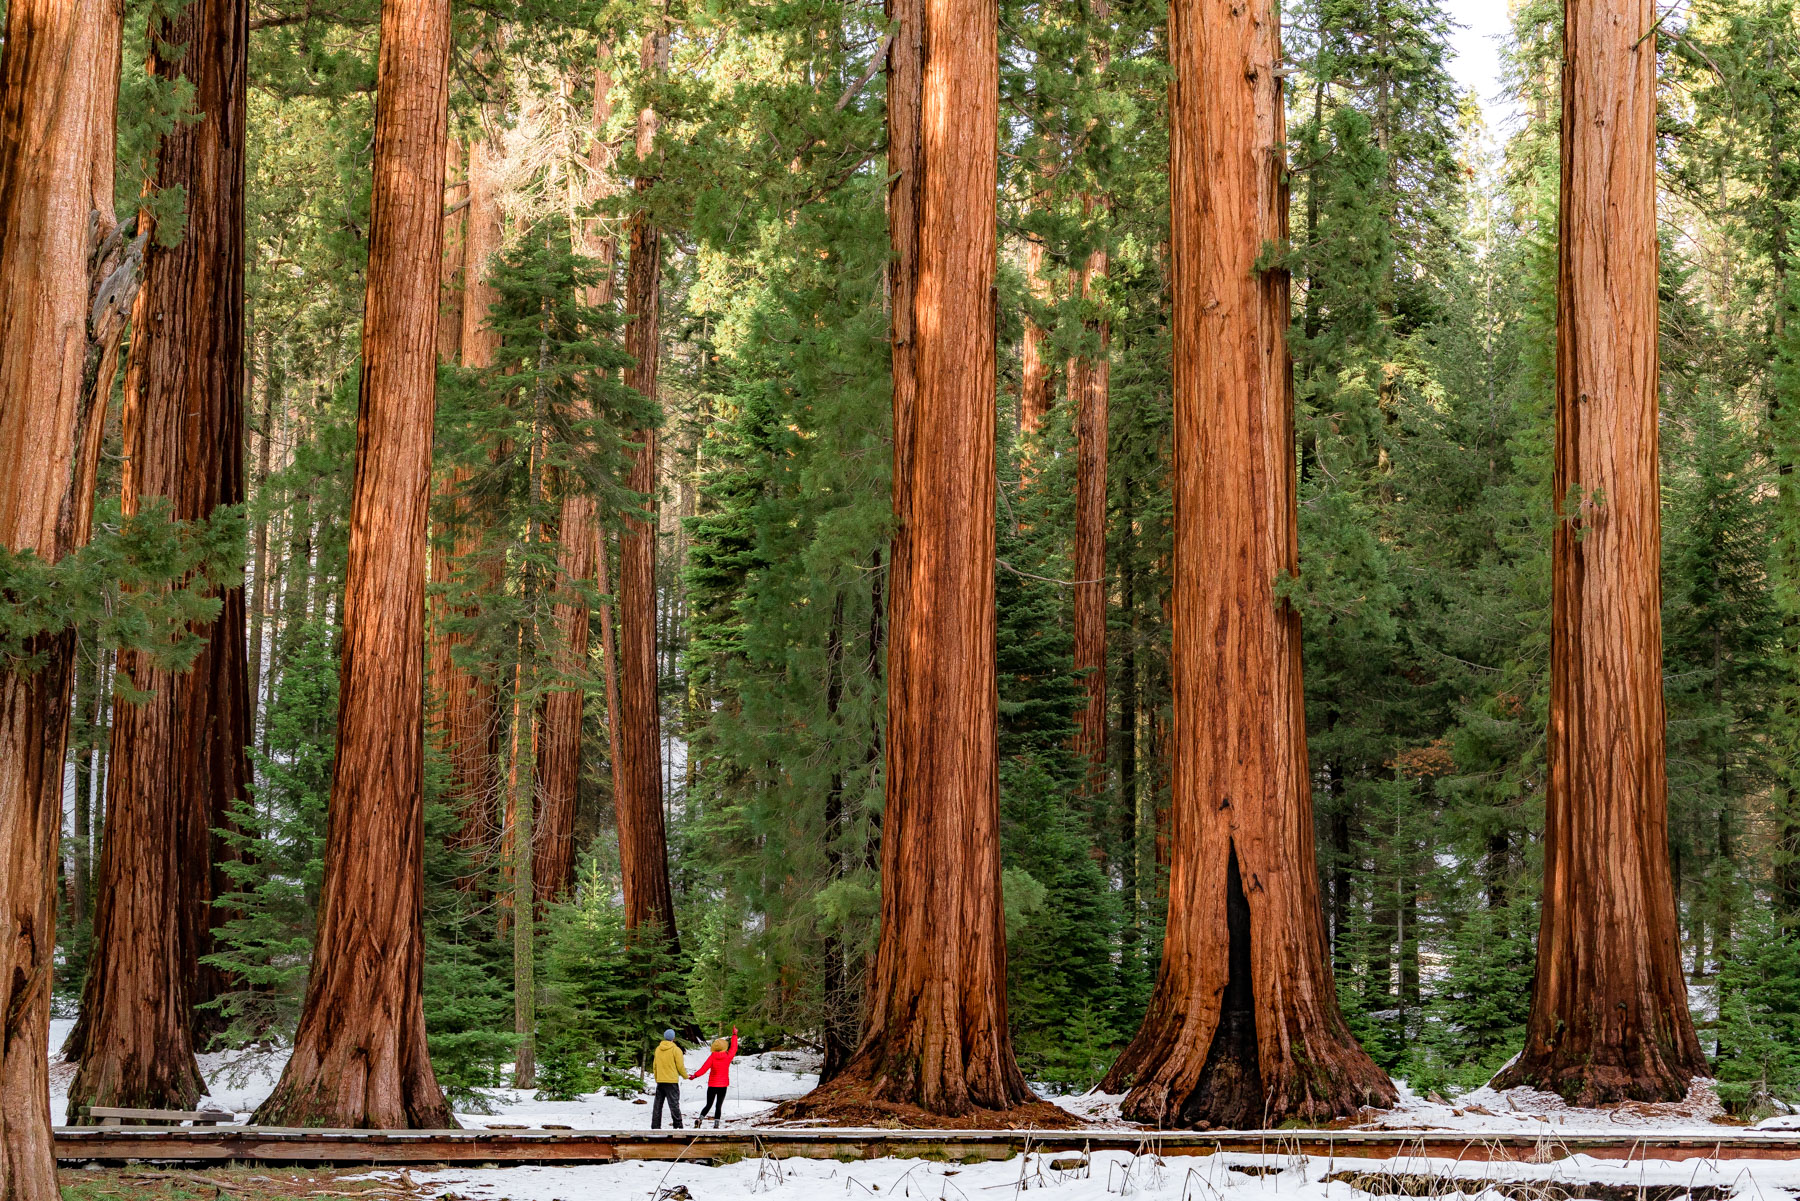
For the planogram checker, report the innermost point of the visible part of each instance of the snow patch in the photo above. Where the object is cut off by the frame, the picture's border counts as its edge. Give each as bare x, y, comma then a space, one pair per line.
1101, 1177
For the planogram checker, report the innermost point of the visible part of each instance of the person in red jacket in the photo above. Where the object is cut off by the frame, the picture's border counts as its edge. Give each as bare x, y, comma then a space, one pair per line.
719, 1064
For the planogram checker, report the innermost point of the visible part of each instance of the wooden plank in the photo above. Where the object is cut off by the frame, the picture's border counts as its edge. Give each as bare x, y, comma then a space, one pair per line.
275, 1145
208, 1116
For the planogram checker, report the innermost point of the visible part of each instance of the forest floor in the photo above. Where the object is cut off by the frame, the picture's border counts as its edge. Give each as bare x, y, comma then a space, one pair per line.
239, 1080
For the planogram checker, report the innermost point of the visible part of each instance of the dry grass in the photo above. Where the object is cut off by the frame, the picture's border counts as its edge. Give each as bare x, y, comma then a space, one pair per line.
235, 1184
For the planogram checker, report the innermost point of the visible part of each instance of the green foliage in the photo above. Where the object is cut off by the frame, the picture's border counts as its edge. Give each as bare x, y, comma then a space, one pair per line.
1062, 918
265, 941
141, 582
1476, 1019
548, 418
785, 581
1759, 1020
607, 994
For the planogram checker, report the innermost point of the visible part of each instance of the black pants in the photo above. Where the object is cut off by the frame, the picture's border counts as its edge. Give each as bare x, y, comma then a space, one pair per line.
672, 1094
715, 1104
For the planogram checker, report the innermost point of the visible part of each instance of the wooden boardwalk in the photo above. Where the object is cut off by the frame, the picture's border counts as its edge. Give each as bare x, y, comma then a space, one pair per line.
284, 1146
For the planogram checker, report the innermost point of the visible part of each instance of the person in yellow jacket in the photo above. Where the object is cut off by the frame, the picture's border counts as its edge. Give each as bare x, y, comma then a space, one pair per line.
670, 1067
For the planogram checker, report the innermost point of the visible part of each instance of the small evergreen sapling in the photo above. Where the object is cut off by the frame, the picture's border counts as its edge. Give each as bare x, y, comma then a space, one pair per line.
606, 993
1759, 1020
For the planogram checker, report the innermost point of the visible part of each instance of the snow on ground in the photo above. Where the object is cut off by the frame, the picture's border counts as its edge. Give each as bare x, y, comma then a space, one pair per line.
240, 1080
1514, 1111
1526, 1110
1109, 1174
758, 1083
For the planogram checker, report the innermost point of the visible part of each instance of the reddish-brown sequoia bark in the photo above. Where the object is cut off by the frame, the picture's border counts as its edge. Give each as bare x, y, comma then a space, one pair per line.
1243, 1028
559, 745
360, 1058
456, 241
59, 80
1037, 386
936, 1035
637, 774
178, 761
609, 657
1090, 391
1609, 1016
559, 748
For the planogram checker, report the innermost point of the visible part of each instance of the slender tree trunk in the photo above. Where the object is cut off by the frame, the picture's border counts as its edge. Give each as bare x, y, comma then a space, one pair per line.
521, 806
179, 762
937, 1034
1037, 388
1609, 1015
1131, 873
559, 752
1090, 392
59, 83
559, 749
837, 1034
295, 601
260, 591
609, 673
360, 1058
88, 709
1243, 1028
1408, 941
1497, 868
1384, 923
1340, 884
637, 773
451, 275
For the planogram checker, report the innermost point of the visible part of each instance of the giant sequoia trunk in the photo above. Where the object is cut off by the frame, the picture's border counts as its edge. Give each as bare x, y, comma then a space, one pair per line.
559, 750
179, 765
936, 1035
1243, 1028
469, 715
1609, 1016
1090, 393
444, 678
637, 776
59, 81
359, 1057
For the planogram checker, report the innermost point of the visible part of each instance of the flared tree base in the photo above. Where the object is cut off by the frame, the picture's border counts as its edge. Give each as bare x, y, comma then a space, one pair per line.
852, 1104
321, 1107
1590, 1079
1323, 1075
887, 1082
173, 1084
353, 1100
1230, 1096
